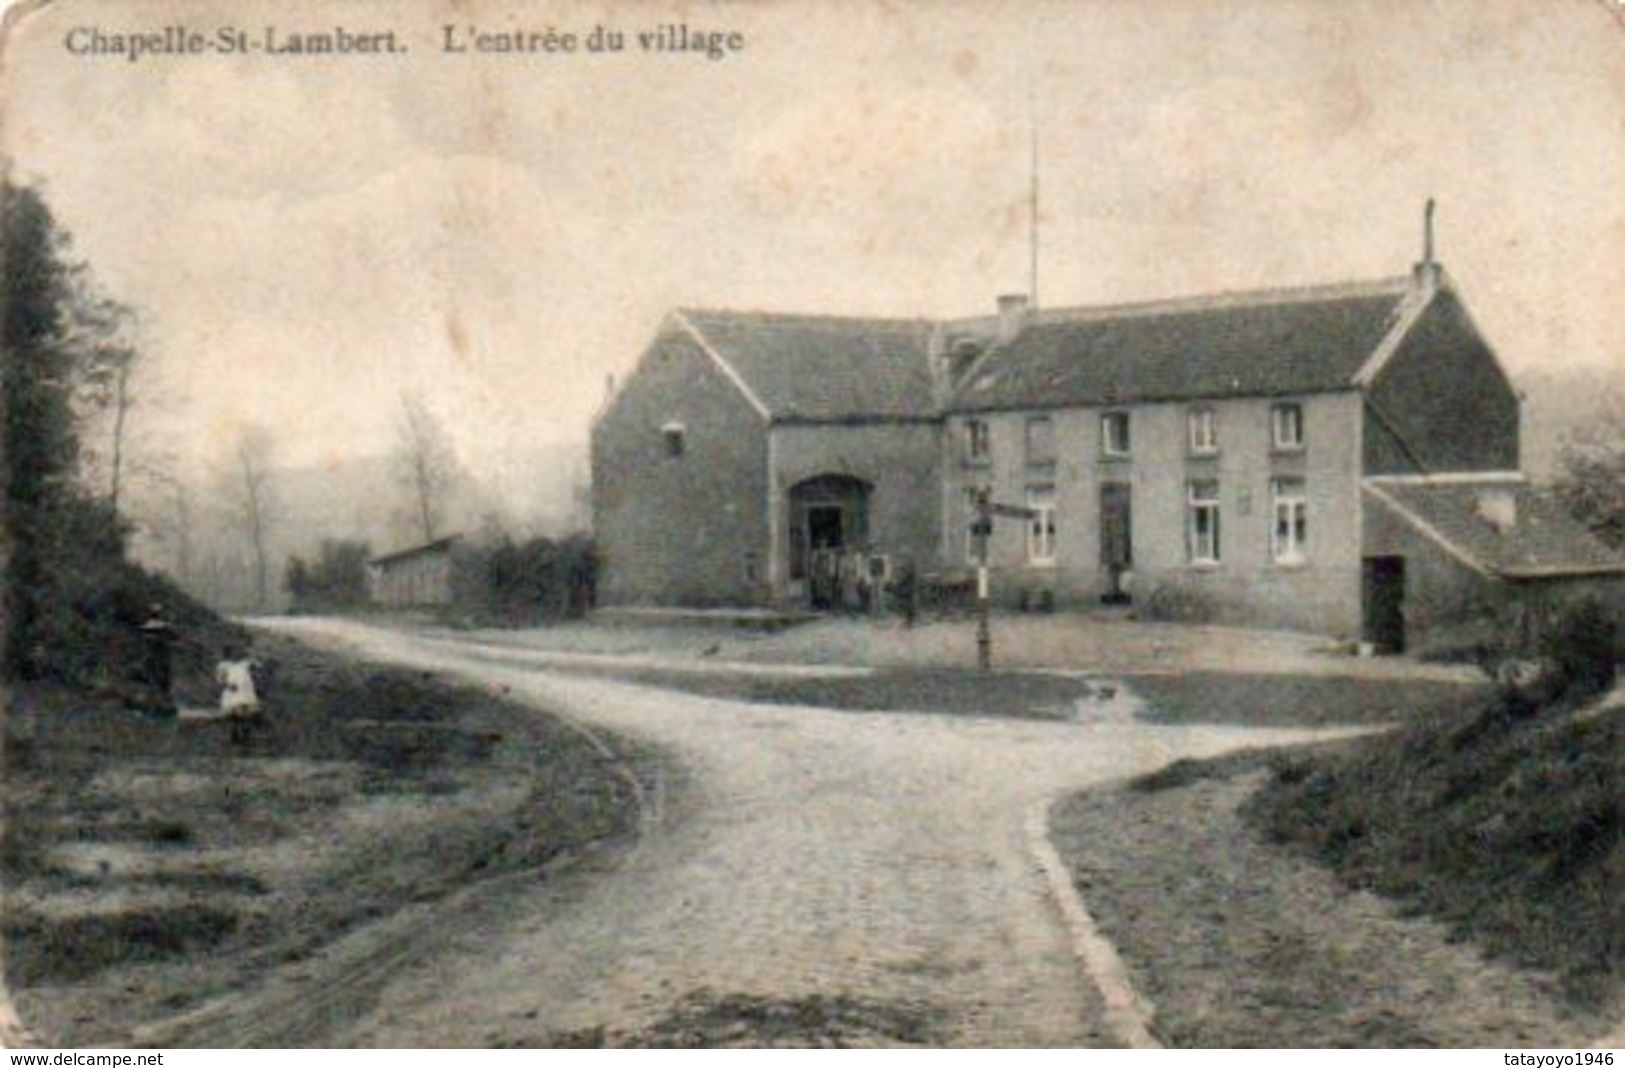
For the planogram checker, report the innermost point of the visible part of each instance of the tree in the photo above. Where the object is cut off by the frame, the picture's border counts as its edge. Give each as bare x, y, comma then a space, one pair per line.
337, 580
1591, 476
254, 506
51, 328
425, 463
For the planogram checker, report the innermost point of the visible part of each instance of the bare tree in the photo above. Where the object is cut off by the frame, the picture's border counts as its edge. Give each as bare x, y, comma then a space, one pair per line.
252, 463
425, 463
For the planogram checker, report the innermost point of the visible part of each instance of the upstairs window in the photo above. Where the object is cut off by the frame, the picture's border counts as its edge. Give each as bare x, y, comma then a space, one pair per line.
978, 442
1289, 537
1041, 527
1202, 431
1040, 441
1114, 435
1202, 521
674, 435
1286, 426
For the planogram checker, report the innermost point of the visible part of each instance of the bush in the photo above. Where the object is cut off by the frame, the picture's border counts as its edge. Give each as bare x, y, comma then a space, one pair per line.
1580, 648
526, 582
337, 580
1168, 603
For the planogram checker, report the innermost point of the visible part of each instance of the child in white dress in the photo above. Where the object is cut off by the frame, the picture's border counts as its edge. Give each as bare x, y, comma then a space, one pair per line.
239, 700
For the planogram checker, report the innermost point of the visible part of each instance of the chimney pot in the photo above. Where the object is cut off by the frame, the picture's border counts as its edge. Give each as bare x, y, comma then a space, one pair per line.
1012, 315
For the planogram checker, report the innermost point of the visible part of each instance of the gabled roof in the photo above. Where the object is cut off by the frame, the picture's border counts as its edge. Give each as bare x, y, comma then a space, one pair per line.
807, 368
1246, 344
1542, 541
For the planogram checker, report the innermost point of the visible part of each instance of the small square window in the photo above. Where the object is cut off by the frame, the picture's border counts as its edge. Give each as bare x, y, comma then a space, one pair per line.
674, 435
1114, 434
1286, 426
1203, 431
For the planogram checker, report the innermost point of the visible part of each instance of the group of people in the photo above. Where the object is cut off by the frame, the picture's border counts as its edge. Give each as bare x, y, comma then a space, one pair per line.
858, 580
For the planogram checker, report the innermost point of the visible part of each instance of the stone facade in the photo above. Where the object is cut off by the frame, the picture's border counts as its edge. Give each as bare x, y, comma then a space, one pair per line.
899, 460
679, 475
1246, 584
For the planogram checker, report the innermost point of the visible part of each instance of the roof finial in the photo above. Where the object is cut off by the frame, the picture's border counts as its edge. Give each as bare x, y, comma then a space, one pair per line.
1427, 233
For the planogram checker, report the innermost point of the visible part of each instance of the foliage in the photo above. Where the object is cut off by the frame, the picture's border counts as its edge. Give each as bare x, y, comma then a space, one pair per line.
337, 580
73, 600
1591, 479
522, 582
1505, 827
1581, 646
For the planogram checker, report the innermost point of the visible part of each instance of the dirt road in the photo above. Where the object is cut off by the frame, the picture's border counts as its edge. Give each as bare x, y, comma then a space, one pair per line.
813, 854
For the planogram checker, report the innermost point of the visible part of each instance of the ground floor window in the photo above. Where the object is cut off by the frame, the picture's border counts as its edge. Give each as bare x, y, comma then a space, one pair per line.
1202, 521
1290, 535
1041, 526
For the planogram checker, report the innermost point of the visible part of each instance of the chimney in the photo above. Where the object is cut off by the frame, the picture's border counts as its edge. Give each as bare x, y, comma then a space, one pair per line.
1498, 508
1426, 272
1012, 316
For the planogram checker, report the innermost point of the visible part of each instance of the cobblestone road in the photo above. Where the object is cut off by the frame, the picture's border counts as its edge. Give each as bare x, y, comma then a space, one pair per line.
880, 856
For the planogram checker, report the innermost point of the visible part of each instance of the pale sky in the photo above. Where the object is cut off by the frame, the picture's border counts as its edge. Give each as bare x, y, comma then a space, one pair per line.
306, 238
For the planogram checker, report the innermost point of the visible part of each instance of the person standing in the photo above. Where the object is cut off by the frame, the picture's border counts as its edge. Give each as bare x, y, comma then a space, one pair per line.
158, 639
239, 698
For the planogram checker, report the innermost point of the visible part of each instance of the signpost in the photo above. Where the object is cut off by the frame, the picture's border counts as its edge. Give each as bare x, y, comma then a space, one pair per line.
986, 510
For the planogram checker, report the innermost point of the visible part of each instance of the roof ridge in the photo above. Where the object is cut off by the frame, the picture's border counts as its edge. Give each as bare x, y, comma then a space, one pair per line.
814, 318
1392, 285
1395, 285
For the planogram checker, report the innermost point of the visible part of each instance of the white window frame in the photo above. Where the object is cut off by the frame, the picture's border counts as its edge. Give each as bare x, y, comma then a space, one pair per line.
1041, 528
1202, 497
973, 494
1110, 448
1279, 422
1202, 431
1033, 459
978, 442
1289, 520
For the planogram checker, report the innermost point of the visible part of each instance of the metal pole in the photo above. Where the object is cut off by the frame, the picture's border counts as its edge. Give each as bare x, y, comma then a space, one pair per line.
984, 630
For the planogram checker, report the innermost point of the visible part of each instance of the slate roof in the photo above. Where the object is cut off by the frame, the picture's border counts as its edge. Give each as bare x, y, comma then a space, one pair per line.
806, 368
1262, 344
1543, 541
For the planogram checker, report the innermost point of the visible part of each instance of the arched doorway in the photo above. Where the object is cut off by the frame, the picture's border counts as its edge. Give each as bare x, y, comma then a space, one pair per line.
829, 514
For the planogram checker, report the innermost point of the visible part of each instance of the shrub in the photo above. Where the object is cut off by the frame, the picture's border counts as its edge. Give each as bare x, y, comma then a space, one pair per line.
1179, 604
1580, 647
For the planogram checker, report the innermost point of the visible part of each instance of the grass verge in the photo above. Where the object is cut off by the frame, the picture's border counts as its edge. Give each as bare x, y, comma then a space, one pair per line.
152, 863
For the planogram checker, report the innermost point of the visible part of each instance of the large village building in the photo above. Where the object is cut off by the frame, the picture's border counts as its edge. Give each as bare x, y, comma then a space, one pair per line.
1340, 459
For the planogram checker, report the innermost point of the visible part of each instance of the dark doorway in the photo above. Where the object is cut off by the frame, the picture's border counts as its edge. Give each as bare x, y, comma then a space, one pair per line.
1116, 538
1383, 603
828, 515
826, 527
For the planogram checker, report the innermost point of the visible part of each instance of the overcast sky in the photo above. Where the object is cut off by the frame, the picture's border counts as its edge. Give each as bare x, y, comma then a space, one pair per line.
307, 238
